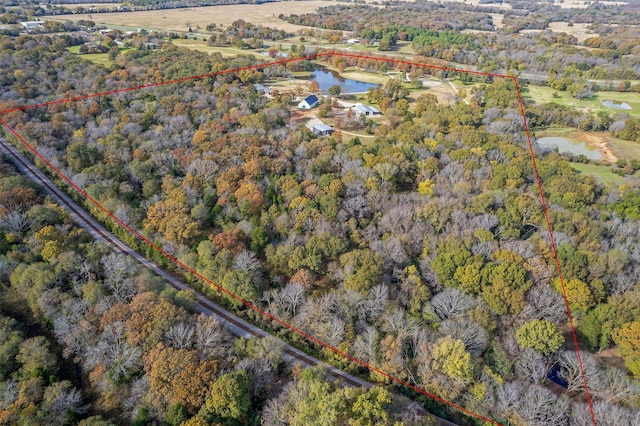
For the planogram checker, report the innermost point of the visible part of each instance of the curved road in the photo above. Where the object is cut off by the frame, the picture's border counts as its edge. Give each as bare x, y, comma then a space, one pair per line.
234, 324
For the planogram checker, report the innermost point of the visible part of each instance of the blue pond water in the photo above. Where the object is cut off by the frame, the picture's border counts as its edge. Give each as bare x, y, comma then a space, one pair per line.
616, 105
327, 78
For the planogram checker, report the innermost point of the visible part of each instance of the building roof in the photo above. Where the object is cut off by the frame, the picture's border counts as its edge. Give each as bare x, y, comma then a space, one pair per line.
31, 24
322, 127
311, 99
366, 108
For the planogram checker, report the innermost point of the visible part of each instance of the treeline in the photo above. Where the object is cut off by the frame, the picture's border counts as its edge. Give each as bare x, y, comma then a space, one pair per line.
423, 252
498, 51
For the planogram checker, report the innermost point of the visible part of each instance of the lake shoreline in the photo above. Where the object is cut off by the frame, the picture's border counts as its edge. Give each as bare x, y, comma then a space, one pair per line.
598, 140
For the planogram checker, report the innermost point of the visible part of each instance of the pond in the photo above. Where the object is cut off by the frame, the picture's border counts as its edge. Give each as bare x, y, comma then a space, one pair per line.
571, 146
617, 105
327, 78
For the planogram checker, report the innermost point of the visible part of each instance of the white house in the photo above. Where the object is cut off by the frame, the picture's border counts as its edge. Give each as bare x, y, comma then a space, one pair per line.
366, 110
32, 25
309, 102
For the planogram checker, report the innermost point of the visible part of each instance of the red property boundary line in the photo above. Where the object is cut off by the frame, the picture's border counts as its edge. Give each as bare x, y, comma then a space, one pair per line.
256, 308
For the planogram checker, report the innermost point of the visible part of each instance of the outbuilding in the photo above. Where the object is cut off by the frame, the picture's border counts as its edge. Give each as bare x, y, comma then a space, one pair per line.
366, 110
322, 129
309, 102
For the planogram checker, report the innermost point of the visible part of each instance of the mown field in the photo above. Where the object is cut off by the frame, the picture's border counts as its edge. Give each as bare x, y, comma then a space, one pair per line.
544, 94
603, 174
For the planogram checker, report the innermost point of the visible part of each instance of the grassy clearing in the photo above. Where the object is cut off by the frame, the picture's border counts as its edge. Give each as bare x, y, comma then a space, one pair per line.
602, 173
625, 149
544, 94
201, 46
98, 58
580, 31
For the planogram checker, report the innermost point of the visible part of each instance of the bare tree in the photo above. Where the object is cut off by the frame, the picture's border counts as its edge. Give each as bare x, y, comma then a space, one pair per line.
474, 336
364, 347
116, 277
452, 303
605, 413
212, 340
571, 372
180, 336
531, 366
14, 222
538, 406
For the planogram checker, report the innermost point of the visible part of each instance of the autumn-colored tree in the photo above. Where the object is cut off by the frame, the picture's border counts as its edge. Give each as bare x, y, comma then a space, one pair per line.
229, 400
628, 340
541, 335
578, 294
172, 218
232, 240
451, 358
314, 86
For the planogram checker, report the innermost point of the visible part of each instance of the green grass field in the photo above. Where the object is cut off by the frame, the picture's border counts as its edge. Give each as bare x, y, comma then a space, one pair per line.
96, 58
601, 173
543, 94
625, 149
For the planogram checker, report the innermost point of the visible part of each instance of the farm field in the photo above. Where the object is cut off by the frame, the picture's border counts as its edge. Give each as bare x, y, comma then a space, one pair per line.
543, 94
202, 46
602, 173
181, 19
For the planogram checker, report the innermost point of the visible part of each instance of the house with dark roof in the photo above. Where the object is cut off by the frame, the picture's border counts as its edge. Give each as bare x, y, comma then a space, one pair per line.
309, 102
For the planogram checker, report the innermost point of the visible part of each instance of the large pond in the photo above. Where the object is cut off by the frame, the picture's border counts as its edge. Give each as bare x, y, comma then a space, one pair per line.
571, 146
327, 78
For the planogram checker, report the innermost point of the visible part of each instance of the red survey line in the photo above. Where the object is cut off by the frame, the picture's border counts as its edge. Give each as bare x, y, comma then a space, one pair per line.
227, 292
247, 303
555, 253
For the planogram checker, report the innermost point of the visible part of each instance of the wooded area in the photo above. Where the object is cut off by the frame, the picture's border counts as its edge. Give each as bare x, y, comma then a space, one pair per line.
421, 249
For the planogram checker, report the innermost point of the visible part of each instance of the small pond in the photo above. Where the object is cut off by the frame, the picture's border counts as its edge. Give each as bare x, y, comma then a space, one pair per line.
617, 105
327, 78
571, 146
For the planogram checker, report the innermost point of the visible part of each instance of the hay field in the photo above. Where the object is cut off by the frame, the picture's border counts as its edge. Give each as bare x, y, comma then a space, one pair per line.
72, 6
579, 31
265, 14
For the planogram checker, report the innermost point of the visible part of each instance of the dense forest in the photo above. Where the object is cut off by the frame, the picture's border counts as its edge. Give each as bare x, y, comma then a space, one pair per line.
88, 337
422, 251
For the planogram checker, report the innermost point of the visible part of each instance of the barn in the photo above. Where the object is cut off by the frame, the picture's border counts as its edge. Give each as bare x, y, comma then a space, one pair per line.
322, 129
309, 102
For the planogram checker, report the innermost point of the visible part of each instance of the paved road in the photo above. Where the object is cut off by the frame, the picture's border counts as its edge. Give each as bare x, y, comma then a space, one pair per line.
236, 325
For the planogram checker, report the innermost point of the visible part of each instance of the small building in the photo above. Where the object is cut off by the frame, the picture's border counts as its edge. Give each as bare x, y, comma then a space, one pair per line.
261, 89
366, 110
322, 129
309, 102
32, 25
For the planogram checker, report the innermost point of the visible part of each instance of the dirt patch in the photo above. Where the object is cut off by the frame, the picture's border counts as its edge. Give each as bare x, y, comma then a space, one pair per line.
610, 358
599, 141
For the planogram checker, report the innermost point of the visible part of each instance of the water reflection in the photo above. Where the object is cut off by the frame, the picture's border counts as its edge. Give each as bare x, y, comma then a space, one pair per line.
571, 146
327, 78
